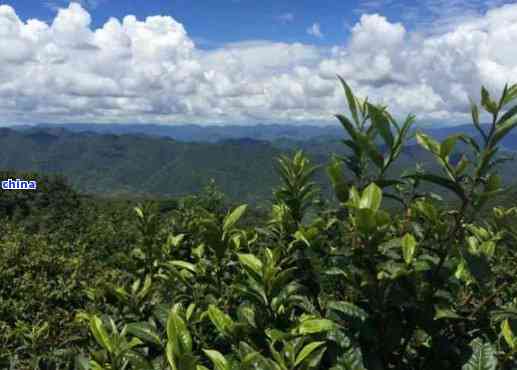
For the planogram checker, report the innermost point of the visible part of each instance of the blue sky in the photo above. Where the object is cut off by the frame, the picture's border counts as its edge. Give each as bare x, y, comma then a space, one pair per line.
244, 61
212, 23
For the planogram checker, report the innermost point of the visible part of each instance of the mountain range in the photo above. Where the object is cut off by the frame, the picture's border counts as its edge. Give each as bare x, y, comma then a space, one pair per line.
266, 132
146, 160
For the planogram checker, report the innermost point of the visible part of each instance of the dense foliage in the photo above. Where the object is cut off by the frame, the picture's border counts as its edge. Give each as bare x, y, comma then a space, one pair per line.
315, 284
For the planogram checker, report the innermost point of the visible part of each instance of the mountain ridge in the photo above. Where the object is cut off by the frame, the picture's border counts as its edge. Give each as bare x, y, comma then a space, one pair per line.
264, 132
140, 164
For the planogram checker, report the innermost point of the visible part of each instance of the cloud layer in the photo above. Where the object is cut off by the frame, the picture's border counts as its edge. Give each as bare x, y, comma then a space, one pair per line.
150, 70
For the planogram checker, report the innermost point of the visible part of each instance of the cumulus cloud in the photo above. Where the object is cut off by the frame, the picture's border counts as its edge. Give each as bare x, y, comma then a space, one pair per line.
150, 70
315, 30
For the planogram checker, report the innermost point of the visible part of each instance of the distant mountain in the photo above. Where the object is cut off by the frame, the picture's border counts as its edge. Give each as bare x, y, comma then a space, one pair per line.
267, 132
197, 133
136, 164
145, 165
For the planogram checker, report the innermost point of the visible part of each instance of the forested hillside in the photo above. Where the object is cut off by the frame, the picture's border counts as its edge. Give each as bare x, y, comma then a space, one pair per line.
202, 282
129, 165
265, 132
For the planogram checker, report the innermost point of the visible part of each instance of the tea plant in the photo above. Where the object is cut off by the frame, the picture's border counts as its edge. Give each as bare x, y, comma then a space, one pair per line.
428, 284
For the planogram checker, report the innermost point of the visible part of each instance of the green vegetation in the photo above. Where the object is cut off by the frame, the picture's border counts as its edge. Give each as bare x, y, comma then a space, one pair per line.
337, 283
150, 167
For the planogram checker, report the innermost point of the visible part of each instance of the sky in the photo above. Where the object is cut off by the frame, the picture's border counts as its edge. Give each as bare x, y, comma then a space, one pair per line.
248, 62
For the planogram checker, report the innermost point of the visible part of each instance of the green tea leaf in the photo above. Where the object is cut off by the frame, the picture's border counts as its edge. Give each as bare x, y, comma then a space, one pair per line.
349, 309
371, 197
486, 102
483, 356
503, 130
381, 122
234, 217
178, 333
312, 326
252, 262
352, 104
100, 334
428, 143
183, 265
220, 363
221, 321
442, 181
339, 184
408, 243
447, 146
145, 331
508, 336
307, 351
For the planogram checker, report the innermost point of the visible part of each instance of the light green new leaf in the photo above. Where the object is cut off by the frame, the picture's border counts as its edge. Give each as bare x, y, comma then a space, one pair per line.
175, 240
371, 197
314, 360
178, 333
408, 243
182, 264
190, 310
221, 321
507, 332
220, 363
234, 217
169, 353
100, 334
139, 212
312, 326
276, 335
428, 143
306, 351
252, 262
352, 103
445, 313
146, 288
335, 271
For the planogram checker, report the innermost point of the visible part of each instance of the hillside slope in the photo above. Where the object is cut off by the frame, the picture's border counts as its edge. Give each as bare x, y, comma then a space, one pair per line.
144, 165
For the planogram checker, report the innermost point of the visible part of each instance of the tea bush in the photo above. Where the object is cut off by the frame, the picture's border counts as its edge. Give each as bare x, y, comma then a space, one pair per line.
429, 284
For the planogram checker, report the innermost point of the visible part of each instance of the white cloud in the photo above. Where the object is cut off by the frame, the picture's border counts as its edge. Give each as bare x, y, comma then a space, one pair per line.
315, 30
150, 70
